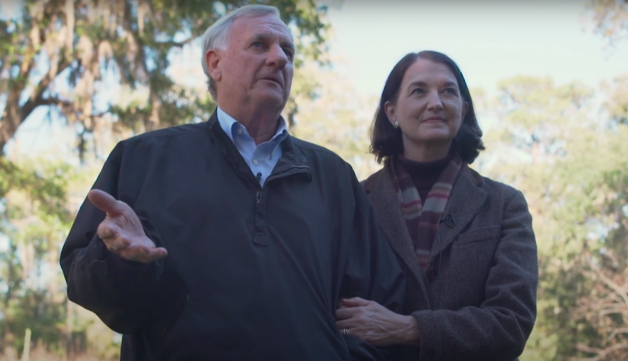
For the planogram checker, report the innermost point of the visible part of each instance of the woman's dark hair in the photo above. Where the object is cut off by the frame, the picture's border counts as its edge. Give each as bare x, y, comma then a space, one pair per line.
386, 140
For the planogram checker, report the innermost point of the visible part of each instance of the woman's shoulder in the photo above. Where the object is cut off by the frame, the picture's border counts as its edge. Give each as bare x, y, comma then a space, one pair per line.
372, 181
493, 187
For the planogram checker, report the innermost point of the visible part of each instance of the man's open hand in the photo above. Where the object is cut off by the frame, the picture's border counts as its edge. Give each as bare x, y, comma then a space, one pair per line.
122, 231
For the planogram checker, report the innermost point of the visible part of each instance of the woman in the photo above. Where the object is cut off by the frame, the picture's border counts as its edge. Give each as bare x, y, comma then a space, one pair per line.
465, 242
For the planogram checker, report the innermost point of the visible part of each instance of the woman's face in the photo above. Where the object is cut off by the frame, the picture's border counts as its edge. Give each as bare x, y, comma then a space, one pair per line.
429, 107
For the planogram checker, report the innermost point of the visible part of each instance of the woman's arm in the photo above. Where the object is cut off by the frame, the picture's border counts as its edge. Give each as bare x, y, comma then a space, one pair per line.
496, 330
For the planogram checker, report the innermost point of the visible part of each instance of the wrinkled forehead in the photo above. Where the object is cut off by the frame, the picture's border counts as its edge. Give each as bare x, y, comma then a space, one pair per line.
247, 27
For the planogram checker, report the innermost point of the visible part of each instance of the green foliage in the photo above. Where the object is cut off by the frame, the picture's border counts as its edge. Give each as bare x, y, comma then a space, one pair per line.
88, 43
570, 164
33, 217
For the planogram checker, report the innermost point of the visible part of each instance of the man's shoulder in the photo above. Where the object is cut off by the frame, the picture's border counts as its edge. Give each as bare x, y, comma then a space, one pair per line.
169, 133
314, 150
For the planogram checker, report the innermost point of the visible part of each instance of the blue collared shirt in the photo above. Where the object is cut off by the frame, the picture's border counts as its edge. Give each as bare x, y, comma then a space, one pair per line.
260, 158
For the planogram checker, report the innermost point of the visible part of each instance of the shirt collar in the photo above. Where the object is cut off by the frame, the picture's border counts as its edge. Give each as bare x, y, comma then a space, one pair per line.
229, 125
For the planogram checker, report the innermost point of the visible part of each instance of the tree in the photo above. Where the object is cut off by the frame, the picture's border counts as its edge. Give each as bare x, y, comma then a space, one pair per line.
565, 154
337, 117
610, 18
61, 53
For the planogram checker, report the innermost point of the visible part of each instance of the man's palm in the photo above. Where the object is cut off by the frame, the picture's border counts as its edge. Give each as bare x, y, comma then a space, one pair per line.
122, 231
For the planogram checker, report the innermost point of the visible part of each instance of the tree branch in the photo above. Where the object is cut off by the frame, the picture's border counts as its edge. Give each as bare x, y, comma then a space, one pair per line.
37, 98
616, 332
178, 44
601, 353
621, 293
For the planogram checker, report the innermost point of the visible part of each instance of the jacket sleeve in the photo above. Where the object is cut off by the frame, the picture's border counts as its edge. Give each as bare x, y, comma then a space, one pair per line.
98, 280
372, 273
499, 328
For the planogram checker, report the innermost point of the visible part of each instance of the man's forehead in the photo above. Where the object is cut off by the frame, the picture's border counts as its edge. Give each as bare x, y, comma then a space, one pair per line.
267, 25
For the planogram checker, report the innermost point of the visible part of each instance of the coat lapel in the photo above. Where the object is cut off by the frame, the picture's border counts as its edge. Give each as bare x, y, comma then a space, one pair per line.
388, 212
465, 201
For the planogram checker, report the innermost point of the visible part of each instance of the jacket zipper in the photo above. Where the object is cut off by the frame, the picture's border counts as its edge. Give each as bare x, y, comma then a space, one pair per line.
344, 343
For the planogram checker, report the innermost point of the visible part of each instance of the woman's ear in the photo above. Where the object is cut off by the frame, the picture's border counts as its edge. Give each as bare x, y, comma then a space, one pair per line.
465, 109
389, 109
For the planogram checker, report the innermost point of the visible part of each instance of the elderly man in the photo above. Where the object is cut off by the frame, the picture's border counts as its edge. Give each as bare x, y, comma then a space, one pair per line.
230, 239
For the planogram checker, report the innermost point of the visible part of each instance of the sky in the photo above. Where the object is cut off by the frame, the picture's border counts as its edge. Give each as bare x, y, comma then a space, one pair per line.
490, 40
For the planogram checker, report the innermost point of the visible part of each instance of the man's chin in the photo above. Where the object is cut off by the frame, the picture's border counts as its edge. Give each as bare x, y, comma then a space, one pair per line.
271, 99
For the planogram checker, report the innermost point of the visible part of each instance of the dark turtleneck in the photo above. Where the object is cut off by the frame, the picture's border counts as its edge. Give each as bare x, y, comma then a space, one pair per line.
425, 174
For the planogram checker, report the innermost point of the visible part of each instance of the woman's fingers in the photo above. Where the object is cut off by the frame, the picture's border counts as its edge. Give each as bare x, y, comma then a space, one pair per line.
355, 302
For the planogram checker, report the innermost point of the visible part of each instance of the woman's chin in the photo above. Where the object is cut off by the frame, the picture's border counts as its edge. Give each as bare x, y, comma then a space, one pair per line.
434, 137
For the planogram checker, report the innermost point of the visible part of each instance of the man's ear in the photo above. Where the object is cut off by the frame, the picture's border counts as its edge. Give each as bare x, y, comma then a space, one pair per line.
212, 60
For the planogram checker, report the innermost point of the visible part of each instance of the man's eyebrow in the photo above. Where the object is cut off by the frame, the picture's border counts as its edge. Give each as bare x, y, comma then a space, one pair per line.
260, 36
284, 42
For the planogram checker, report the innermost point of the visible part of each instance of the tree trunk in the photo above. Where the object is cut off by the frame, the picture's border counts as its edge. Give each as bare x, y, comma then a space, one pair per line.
11, 118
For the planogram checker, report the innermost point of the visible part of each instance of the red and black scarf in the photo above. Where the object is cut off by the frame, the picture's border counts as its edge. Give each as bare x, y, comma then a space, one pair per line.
422, 216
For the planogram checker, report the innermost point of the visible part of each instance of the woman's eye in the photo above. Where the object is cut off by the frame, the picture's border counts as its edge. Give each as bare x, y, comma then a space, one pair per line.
450, 91
417, 91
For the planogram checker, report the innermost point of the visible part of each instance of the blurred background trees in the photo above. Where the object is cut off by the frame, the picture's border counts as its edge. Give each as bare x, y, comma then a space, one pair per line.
78, 76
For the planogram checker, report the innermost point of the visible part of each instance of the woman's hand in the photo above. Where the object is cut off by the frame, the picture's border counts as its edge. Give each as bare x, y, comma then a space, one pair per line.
375, 323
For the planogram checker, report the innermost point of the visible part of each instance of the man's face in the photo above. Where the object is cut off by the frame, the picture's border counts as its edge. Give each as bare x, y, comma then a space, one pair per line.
256, 68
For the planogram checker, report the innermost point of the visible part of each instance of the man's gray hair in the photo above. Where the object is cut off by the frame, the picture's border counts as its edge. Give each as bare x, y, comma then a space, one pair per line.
217, 35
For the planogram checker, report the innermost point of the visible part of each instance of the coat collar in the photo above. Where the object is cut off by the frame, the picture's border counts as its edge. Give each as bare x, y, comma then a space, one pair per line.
465, 201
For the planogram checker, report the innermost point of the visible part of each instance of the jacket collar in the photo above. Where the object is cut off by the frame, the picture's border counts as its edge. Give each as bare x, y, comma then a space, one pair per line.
292, 160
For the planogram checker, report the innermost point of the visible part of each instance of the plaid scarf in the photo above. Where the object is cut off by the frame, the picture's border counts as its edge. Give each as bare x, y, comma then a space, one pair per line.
422, 216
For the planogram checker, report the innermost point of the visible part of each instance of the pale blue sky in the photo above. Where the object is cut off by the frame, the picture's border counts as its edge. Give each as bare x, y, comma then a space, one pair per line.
490, 40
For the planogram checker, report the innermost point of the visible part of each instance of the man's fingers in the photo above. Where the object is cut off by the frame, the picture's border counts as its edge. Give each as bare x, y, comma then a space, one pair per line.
143, 254
154, 254
108, 230
105, 202
355, 302
117, 244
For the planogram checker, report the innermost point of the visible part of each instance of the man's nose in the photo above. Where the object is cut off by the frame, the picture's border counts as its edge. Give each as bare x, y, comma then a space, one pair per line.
277, 57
